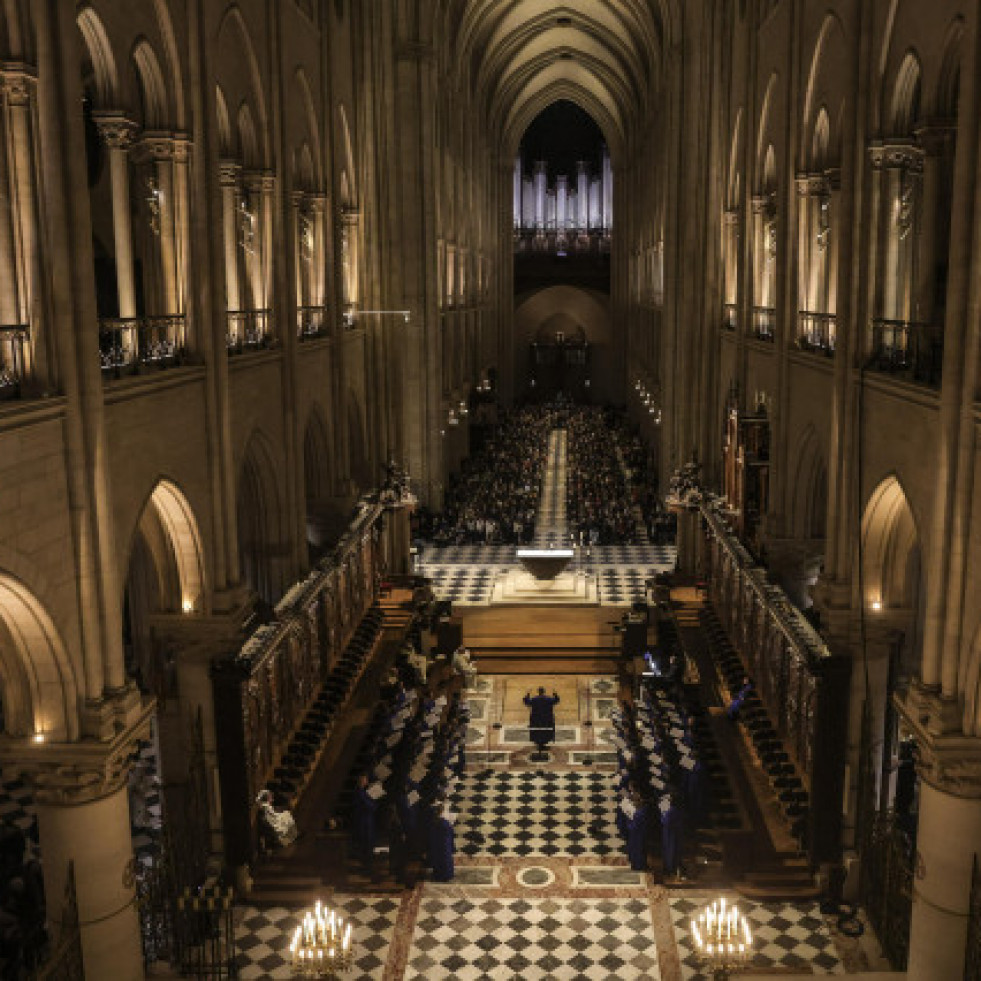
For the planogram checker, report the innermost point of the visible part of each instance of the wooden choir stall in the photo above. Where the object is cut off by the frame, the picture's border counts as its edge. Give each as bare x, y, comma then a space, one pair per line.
802, 685
265, 693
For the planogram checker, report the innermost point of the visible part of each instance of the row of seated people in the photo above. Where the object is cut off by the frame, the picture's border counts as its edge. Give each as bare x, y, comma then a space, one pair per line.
305, 747
409, 768
660, 771
600, 506
494, 498
746, 708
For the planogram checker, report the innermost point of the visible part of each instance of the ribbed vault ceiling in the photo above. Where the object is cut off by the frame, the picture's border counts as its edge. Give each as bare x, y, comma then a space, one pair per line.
522, 55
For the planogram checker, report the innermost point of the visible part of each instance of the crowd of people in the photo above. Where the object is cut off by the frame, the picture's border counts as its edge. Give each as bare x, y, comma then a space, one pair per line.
611, 492
494, 498
661, 777
601, 509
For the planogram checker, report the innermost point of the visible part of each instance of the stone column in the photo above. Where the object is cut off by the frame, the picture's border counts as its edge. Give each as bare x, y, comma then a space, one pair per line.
317, 204
182, 223
159, 150
10, 288
267, 202
947, 839
117, 133
18, 83
230, 182
83, 816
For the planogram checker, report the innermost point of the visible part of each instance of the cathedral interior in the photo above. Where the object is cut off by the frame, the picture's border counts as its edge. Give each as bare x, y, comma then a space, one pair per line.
367, 368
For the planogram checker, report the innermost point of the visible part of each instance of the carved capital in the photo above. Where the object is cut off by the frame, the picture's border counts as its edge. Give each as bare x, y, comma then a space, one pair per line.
156, 146
948, 760
813, 185
229, 173
116, 129
730, 217
77, 773
260, 181
896, 156
350, 215
317, 203
18, 82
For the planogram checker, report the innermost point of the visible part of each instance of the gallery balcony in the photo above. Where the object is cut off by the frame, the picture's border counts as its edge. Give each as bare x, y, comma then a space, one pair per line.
817, 332
312, 322
132, 345
912, 351
249, 330
764, 324
13, 363
730, 316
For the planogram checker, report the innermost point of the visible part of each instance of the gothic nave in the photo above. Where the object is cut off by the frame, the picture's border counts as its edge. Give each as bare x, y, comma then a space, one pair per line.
340, 339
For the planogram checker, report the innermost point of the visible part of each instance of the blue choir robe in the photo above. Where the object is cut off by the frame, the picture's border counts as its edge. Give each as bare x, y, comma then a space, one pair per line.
363, 825
542, 722
737, 703
671, 839
637, 839
441, 842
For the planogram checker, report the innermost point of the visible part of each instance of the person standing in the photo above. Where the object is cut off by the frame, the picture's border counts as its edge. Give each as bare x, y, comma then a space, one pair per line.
441, 842
363, 822
637, 836
541, 724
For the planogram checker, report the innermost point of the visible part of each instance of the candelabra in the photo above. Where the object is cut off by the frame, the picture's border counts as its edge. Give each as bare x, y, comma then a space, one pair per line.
321, 946
723, 942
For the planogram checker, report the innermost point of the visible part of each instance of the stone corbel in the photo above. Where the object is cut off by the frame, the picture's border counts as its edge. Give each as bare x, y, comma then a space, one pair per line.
18, 82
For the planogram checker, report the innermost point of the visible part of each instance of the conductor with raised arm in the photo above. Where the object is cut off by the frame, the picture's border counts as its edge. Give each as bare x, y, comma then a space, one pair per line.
541, 725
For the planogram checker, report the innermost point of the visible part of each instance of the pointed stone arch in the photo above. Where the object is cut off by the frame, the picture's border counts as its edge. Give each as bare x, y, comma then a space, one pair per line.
810, 496
259, 518
891, 549
101, 55
152, 89
40, 691
905, 106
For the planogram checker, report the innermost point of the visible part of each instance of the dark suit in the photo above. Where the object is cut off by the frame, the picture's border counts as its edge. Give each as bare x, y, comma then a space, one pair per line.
542, 721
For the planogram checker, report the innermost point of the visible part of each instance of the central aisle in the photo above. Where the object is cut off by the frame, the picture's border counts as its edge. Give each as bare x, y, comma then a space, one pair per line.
550, 525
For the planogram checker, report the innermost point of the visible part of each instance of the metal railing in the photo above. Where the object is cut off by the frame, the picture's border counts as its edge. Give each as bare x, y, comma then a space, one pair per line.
13, 362
817, 331
249, 329
128, 345
912, 350
730, 316
764, 323
312, 321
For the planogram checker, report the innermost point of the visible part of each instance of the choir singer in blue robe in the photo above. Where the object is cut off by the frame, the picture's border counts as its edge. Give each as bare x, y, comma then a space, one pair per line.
441, 843
541, 725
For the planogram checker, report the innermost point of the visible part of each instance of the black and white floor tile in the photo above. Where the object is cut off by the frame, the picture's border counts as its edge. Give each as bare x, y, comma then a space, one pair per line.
466, 574
536, 812
263, 937
791, 937
471, 939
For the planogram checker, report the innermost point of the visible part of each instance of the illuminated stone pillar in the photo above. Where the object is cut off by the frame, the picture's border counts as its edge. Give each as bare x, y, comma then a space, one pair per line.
117, 133
231, 175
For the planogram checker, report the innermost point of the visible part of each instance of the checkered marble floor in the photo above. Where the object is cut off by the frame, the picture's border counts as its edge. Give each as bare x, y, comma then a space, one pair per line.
536, 812
263, 935
787, 937
465, 574
470, 939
